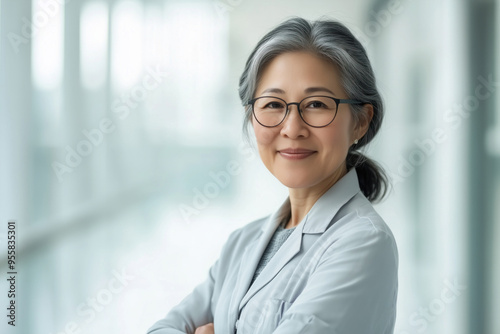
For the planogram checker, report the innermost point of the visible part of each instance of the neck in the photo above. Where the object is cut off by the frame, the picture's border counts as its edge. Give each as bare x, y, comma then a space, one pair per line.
303, 199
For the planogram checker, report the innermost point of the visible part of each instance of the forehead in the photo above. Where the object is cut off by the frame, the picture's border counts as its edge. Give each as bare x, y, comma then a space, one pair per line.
297, 71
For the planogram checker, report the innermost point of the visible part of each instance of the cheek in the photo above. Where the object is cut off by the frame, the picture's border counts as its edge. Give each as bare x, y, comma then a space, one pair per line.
342, 130
337, 139
264, 136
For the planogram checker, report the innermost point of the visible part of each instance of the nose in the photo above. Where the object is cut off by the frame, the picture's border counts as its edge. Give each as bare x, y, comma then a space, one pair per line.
293, 126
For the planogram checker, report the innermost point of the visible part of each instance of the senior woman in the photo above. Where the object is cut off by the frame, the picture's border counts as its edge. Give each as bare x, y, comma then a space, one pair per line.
325, 261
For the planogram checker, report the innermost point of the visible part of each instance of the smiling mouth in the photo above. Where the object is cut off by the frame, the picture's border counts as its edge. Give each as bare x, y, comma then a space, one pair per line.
296, 154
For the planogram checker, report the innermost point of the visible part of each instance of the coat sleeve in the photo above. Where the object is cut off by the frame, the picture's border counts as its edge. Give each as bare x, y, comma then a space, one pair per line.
353, 289
196, 308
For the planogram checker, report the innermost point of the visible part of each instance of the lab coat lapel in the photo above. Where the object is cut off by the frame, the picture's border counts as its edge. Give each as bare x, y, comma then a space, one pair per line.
286, 252
315, 222
251, 257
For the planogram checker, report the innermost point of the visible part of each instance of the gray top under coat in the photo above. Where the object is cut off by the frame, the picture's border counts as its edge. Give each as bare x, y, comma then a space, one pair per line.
279, 237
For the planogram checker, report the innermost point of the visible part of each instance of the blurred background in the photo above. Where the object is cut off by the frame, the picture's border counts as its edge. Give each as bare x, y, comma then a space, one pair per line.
124, 167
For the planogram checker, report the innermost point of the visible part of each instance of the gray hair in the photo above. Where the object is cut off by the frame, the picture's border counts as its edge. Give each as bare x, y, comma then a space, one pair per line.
330, 40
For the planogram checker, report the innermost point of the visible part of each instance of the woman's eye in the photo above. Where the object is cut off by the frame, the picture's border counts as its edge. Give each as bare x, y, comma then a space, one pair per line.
274, 105
315, 104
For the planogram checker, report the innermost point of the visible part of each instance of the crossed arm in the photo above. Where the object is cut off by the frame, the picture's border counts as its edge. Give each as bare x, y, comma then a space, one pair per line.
352, 290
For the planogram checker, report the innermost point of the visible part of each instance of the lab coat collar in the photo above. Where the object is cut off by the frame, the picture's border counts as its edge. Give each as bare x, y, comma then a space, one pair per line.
319, 217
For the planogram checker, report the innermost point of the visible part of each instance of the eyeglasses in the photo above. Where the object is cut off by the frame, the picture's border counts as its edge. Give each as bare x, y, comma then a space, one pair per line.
315, 111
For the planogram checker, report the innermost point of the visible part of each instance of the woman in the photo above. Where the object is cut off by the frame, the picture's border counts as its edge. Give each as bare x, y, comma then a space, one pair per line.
324, 262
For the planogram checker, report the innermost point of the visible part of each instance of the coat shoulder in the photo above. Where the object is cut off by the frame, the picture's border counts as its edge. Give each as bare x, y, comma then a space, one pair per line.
248, 232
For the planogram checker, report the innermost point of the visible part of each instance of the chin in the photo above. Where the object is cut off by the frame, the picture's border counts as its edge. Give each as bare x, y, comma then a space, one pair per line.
292, 181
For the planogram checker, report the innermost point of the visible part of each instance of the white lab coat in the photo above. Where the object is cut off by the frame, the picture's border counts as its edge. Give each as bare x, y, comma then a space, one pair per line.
336, 273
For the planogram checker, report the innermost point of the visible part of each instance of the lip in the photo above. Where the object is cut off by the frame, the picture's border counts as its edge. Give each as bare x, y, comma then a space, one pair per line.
295, 153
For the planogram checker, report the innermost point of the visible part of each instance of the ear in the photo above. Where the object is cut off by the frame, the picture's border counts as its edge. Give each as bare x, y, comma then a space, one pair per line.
364, 121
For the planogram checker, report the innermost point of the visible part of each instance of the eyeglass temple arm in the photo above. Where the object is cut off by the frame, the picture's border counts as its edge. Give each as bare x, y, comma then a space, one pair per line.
350, 101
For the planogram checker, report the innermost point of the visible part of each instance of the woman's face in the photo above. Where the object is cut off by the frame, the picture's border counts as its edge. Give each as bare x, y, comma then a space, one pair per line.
292, 76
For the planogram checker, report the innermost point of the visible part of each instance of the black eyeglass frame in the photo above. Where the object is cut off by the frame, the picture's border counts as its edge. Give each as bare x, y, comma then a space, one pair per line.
337, 102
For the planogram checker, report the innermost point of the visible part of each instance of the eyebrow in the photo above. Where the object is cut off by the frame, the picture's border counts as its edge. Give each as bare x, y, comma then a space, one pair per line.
318, 89
307, 90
